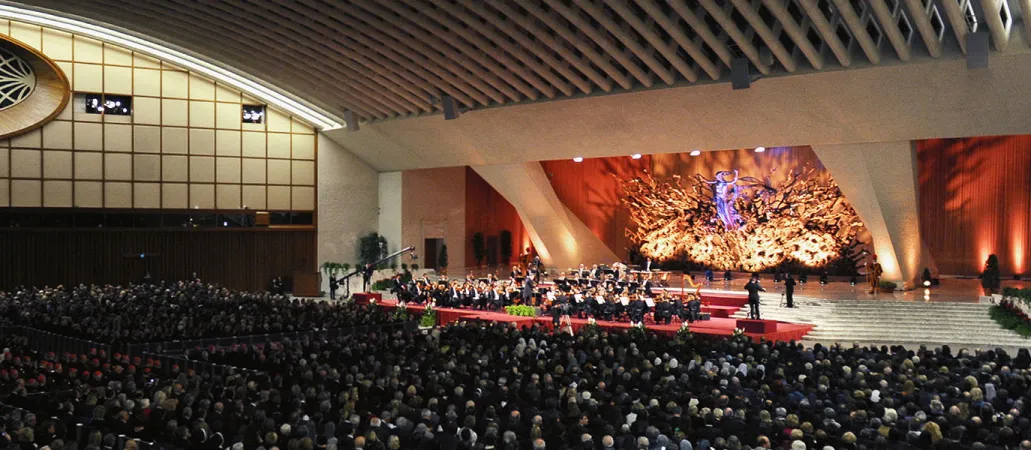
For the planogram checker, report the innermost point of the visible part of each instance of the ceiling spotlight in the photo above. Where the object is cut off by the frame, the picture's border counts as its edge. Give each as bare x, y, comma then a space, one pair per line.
760, 149
578, 159
696, 152
636, 156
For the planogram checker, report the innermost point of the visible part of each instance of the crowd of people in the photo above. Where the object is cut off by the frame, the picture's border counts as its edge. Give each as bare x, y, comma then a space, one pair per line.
160, 312
602, 292
475, 385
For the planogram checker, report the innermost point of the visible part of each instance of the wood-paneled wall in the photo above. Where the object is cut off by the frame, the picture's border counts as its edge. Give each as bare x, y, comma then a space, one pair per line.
240, 259
488, 212
975, 200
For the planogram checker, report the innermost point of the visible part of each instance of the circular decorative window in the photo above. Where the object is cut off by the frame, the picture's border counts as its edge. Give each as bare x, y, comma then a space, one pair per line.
16, 79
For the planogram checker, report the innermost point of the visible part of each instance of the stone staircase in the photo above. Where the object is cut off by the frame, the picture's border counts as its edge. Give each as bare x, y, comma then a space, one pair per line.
893, 322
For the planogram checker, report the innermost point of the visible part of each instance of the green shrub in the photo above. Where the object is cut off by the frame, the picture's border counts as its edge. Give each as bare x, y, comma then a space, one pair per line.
1010, 320
381, 285
888, 285
429, 317
521, 310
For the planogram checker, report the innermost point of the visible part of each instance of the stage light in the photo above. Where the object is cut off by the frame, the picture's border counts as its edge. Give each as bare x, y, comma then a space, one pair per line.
696, 152
760, 149
927, 282
578, 159
636, 156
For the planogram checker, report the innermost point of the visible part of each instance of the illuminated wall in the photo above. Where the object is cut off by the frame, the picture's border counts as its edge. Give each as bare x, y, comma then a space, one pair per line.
183, 147
975, 199
487, 212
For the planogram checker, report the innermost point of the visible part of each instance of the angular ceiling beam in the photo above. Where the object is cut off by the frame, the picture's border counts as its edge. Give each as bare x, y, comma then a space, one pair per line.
889, 28
435, 49
855, 24
673, 29
417, 87
702, 30
826, 30
555, 24
499, 77
921, 17
1000, 30
745, 8
1025, 11
552, 81
182, 31
611, 50
325, 35
530, 25
958, 20
626, 37
433, 63
795, 32
437, 80
720, 15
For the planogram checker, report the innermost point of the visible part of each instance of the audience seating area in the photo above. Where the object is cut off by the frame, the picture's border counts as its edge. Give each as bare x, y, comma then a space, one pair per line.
195, 366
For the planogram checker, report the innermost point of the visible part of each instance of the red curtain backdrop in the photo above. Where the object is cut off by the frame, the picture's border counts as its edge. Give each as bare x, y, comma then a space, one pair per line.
487, 212
975, 199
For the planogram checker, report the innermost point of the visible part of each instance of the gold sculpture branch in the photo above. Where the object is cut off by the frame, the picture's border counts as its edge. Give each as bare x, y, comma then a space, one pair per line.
741, 223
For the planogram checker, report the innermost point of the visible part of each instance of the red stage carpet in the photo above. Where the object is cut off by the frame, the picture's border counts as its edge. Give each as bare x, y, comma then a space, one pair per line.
715, 326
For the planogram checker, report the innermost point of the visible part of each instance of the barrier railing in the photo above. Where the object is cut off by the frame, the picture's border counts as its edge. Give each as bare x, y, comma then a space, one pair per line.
179, 347
44, 341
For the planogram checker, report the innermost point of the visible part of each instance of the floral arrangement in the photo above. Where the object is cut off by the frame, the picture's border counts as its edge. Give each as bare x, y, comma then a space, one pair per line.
637, 330
401, 313
1014, 311
429, 317
591, 327
684, 332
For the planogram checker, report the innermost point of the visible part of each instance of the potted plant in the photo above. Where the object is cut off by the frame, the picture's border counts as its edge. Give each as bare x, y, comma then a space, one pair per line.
442, 260
429, 318
479, 248
991, 279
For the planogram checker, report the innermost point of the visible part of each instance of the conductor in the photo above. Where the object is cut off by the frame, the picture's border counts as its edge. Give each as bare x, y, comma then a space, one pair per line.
753, 289
528, 286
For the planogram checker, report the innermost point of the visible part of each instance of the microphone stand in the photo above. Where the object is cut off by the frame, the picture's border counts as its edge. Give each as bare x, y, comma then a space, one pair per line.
368, 269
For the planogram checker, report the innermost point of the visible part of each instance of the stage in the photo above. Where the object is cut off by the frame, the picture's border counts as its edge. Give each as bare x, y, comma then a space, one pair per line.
716, 326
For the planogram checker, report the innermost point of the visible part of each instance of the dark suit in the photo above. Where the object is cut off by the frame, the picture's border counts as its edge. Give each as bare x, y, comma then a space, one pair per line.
753, 289
789, 291
528, 286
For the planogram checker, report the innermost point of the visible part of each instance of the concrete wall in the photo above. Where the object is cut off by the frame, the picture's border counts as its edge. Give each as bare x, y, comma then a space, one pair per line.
348, 201
390, 191
433, 206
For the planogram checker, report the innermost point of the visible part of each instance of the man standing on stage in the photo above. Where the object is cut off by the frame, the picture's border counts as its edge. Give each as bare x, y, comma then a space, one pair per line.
789, 290
528, 286
753, 289
873, 275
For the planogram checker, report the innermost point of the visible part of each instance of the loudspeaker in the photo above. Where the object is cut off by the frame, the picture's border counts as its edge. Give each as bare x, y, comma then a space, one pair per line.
977, 50
351, 120
740, 77
261, 219
450, 108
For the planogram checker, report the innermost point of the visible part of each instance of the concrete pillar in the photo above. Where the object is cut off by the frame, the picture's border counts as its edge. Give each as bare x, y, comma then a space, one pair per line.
561, 239
880, 181
390, 209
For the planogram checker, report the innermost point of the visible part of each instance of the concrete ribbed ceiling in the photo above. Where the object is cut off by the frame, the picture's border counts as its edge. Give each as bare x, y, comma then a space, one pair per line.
396, 58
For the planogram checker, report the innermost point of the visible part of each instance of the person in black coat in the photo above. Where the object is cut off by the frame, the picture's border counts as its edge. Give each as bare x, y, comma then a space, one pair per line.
528, 287
753, 289
789, 290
